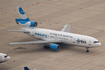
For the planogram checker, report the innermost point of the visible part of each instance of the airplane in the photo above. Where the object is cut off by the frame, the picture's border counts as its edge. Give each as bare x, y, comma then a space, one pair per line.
26, 68
52, 38
4, 57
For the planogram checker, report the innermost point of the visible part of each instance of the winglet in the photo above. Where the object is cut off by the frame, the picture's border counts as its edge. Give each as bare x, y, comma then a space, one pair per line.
26, 68
66, 28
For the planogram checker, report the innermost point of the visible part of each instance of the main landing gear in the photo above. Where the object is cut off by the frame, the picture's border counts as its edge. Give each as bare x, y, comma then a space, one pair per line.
87, 49
46, 47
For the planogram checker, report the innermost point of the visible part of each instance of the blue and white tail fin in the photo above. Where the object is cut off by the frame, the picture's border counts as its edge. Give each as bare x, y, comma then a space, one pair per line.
22, 14
24, 20
26, 68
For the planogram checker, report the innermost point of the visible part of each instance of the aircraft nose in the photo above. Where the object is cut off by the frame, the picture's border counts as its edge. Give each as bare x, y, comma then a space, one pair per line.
7, 58
99, 44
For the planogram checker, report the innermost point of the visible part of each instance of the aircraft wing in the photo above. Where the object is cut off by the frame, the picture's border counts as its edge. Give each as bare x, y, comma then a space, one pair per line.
34, 42
18, 31
66, 28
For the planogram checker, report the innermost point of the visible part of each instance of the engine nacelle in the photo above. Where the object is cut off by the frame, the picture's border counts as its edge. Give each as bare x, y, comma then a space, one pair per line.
27, 23
54, 46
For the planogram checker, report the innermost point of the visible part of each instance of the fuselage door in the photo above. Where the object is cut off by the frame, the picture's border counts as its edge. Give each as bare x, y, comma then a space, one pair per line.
74, 40
89, 43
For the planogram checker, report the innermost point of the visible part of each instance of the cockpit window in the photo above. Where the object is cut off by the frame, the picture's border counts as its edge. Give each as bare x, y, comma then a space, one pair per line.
6, 56
96, 41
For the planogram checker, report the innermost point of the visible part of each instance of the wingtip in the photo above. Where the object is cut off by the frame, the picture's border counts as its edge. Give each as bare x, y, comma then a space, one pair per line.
7, 44
7, 30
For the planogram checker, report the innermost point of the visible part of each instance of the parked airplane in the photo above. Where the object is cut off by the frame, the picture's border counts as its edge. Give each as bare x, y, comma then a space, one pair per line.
26, 68
52, 38
4, 57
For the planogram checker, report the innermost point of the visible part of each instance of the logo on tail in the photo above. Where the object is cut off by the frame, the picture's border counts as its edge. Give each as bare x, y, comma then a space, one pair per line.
24, 20
22, 14
21, 11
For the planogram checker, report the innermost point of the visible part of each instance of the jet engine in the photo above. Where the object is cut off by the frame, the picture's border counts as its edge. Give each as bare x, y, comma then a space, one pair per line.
27, 23
52, 46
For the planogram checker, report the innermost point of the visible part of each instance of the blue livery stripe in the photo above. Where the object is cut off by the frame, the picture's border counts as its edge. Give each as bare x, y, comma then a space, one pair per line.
21, 11
23, 22
27, 19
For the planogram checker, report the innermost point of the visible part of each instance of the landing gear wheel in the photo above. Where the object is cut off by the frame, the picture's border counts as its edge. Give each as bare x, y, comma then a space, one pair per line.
87, 50
46, 47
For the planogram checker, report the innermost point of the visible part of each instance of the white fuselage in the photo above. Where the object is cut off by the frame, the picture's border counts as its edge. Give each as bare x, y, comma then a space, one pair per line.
64, 37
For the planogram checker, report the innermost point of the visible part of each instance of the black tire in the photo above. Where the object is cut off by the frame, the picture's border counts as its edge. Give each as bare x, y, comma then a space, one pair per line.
87, 50
46, 47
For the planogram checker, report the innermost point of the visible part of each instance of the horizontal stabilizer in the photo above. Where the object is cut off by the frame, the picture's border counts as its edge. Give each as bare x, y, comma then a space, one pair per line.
18, 31
66, 28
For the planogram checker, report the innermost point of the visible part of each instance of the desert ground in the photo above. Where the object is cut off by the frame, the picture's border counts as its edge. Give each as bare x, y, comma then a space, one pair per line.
85, 17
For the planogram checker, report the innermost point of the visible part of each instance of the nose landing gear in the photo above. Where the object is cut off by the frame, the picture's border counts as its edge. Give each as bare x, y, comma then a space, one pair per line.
87, 49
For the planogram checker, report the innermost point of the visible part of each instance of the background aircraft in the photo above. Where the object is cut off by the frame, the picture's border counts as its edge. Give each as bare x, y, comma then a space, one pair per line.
4, 57
26, 68
52, 38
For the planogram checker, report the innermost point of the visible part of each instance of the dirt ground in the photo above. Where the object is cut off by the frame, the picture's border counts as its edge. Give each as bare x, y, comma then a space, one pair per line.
86, 17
